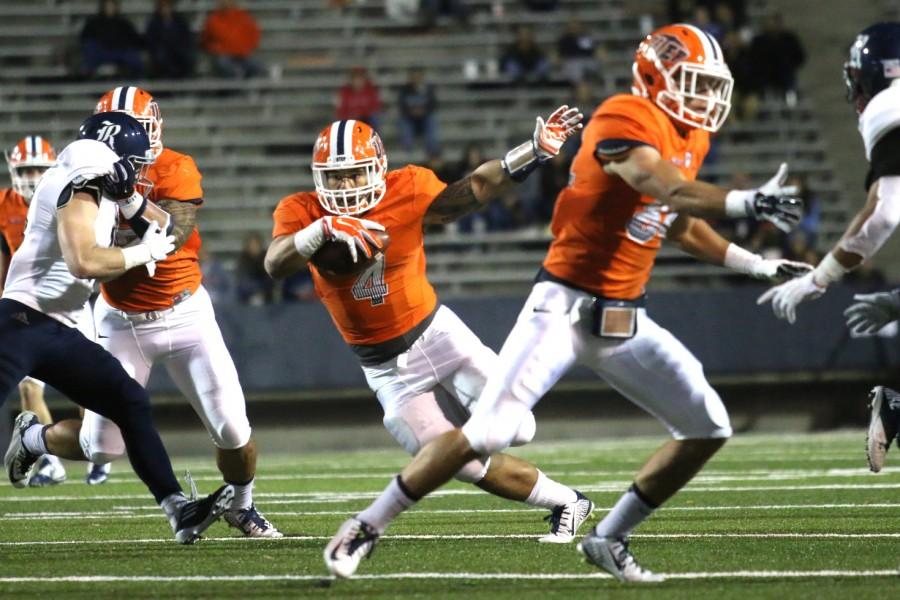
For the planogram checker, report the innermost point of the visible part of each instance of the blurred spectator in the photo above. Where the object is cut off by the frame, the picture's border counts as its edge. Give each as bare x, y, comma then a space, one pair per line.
523, 61
230, 37
417, 103
359, 98
812, 210
777, 54
170, 43
298, 287
745, 99
216, 278
254, 286
579, 52
108, 38
541, 5
430, 10
701, 18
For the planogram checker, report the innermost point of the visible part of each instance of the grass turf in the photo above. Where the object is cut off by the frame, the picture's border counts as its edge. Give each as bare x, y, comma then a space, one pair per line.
793, 516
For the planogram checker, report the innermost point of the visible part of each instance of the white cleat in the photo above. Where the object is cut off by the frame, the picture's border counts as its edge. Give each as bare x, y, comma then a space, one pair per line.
566, 519
612, 555
97, 474
352, 542
251, 523
50, 471
18, 460
884, 421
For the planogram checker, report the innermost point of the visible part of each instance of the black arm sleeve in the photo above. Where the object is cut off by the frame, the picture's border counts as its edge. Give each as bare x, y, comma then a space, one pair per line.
885, 157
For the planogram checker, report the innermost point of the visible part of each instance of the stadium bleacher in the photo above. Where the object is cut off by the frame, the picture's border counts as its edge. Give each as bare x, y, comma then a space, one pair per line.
252, 138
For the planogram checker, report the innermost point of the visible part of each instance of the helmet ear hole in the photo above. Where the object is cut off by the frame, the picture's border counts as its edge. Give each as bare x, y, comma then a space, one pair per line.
649, 79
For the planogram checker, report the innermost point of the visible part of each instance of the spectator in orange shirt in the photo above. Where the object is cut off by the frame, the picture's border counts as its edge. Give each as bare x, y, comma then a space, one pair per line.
359, 98
231, 36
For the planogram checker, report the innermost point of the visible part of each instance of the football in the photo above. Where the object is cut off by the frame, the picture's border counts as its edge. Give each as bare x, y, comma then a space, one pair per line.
334, 258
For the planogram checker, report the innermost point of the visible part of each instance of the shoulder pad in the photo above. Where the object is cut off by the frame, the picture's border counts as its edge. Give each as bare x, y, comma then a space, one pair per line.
881, 115
86, 160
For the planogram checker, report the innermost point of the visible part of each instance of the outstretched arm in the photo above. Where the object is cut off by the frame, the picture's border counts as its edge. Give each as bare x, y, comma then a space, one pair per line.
495, 177
697, 238
645, 170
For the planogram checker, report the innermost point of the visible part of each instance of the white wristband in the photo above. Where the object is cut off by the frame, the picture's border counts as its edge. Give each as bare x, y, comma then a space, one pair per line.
739, 259
309, 239
136, 256
828, 271
130, 206
738, 203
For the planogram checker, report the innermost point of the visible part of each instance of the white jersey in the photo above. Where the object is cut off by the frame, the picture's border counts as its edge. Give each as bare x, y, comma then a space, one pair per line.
881, 115
38, 276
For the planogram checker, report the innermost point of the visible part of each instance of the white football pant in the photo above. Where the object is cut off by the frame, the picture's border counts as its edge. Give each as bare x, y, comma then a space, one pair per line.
652, 369
187, 340
449, 356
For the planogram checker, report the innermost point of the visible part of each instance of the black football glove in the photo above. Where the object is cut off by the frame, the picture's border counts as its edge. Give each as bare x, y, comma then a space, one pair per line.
119, 184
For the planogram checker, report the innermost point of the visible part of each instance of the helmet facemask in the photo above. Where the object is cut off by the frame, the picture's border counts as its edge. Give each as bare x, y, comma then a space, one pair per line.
152, 122
691, 84
26, 168
350, 200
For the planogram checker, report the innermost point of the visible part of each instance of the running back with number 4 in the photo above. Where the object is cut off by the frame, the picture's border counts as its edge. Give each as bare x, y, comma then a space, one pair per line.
357, 302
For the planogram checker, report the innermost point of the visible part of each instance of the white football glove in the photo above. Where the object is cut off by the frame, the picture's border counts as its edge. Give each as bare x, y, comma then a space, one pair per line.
350, 230
775, 269
546, 142
872, 312
788, 295
154, 245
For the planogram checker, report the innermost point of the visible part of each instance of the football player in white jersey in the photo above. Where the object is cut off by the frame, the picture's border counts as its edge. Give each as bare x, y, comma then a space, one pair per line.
71, 223
872, 76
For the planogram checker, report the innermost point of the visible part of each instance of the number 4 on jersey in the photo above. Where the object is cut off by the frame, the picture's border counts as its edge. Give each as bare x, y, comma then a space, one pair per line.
370, 284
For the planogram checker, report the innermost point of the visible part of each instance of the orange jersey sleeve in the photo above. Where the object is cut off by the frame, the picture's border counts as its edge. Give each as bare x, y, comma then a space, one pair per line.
606, 235
175, 177
13, 217
393, 295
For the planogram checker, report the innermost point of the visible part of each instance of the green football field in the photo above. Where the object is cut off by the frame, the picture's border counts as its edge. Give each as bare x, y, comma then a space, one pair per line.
772, 516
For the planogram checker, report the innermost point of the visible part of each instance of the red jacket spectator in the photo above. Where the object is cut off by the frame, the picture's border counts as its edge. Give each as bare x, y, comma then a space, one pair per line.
359, 98
230, 30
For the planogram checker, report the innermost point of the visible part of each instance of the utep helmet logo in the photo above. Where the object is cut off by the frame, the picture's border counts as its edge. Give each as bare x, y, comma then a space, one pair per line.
668, 48
107, 134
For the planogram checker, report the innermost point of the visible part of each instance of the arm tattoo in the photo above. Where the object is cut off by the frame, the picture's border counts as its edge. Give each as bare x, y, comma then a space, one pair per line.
184, 218
456, 200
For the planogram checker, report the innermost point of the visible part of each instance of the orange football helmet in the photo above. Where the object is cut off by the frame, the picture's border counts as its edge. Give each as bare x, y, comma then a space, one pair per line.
27, 161
682, 69
349, 146
139, 104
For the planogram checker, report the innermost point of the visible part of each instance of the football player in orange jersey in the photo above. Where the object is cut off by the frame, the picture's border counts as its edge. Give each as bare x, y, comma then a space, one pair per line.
167, 316
632, 184
27, 161
409, 345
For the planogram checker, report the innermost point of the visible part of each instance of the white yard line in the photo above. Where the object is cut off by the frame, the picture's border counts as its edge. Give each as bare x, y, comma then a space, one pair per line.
474, 536
470, 576
128, 512
326, 497
710, 475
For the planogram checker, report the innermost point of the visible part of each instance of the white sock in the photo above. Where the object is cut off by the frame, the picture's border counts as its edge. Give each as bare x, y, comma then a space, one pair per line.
243, 495
548, 493
33, 438
629, 512
392, 501
53, 460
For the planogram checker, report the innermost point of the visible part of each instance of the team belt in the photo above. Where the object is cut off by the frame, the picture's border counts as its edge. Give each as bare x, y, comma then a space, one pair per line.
155, 315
